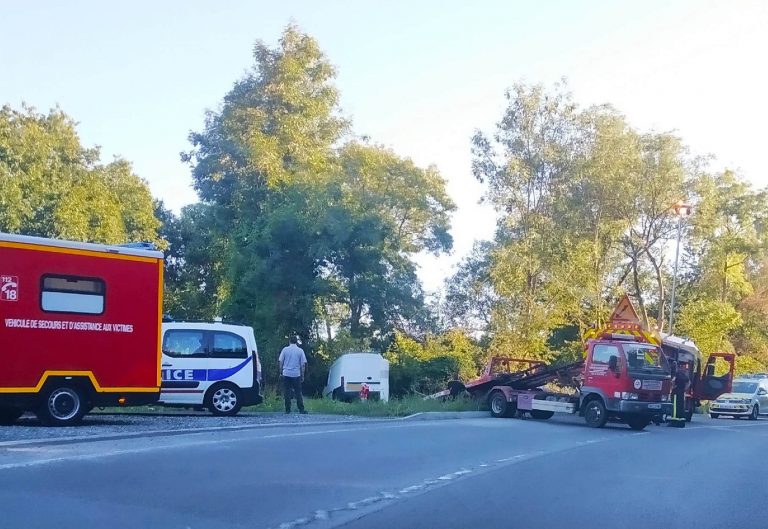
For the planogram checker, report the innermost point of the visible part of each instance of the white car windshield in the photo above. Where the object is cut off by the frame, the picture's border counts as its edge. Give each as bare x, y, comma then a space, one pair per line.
741, 386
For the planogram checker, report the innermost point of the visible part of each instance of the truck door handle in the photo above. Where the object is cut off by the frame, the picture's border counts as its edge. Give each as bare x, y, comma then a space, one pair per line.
167, 365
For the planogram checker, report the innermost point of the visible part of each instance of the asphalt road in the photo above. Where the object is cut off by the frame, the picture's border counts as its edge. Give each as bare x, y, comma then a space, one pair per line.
428, 474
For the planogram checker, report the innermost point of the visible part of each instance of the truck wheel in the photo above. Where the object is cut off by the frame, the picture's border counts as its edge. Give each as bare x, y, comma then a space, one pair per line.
63, 405
755, 413
224, 399
542, 414
638, 422
595, 414
499, 405
8, 416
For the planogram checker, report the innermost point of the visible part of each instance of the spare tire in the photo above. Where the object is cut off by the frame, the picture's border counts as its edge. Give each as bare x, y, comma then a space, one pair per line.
456, 388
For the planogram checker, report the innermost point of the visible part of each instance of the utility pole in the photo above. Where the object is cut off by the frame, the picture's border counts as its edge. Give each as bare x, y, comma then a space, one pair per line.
681, 210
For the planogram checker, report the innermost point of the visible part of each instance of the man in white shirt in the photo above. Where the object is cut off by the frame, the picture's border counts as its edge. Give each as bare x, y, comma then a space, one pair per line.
293, 364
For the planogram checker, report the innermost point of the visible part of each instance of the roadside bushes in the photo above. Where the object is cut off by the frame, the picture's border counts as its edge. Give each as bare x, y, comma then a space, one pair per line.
423, 377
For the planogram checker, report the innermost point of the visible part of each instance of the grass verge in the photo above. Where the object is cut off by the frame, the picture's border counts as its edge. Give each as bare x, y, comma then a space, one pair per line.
273, 403
394, 408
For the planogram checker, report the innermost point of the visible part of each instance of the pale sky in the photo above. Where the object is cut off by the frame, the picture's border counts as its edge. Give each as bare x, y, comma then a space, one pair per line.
419, 77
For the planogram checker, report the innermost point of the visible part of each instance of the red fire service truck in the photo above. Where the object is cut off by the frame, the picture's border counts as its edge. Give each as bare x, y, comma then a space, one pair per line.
79, 327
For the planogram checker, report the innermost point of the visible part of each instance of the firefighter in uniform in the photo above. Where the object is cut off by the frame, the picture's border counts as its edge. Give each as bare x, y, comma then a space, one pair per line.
680, 383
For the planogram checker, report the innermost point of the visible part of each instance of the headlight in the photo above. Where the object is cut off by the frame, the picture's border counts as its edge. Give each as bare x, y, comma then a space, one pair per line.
628, 396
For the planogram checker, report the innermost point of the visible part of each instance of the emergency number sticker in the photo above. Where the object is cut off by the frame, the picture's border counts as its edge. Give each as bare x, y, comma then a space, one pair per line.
9, 288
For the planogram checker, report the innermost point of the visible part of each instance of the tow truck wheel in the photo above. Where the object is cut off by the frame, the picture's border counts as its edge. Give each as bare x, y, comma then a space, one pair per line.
62, 405
595, 414
8, 416
638, 422
224, 399
499, 405
755, 413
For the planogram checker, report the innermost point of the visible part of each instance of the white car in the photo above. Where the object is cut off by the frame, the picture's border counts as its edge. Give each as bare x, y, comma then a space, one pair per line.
211, 365
748, 398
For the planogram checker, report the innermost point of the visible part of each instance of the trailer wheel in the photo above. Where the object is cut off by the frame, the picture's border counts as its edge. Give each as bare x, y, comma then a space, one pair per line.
224, 399
8, 416
499, 405
594, 413
63, 405
638, 422
542, 414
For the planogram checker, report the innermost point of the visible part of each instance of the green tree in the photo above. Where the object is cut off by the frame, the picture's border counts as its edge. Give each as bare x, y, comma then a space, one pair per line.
527, 166
387, 210
311, 235
255, 164
729, 235
55, 187
708, 323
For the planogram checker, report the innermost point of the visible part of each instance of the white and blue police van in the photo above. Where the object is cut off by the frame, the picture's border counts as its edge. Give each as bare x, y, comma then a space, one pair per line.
210, 365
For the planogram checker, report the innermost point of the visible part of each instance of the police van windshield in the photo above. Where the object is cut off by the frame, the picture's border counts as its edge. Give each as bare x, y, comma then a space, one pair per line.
643, 357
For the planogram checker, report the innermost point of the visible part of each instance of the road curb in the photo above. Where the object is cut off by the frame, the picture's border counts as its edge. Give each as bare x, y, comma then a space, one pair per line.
444, 415
186, 431
421, 416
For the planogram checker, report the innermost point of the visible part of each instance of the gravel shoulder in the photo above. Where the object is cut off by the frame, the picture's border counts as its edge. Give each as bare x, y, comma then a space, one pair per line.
102, 424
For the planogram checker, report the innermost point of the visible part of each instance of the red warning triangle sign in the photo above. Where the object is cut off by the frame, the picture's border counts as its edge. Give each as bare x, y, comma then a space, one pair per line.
625, 312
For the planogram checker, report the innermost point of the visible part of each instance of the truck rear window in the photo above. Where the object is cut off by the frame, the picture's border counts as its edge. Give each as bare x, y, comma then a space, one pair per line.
73, 295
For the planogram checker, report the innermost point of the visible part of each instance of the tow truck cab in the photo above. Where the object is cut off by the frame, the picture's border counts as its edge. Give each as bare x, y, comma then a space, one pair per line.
625, 378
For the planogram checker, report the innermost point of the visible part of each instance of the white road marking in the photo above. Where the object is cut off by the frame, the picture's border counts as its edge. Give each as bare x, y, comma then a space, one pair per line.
441, 480
174, 446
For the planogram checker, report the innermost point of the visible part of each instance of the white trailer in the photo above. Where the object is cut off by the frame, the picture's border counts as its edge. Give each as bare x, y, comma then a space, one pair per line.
350, 371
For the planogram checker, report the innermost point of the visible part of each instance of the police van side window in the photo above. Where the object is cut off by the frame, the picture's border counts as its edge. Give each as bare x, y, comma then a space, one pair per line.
184, 344
228, 345
72, 294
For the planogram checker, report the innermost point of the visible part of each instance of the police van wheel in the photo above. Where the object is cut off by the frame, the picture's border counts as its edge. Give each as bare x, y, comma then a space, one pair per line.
62, 405
224, 399
8, 416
